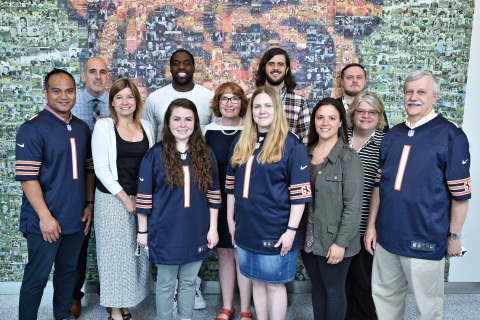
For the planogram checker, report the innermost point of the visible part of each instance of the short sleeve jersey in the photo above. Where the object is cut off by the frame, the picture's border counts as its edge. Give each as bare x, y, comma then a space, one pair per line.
264, 194
421, 171
179, 217
58, 156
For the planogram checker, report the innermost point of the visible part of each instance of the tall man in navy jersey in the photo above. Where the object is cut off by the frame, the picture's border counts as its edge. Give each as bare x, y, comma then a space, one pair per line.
91, 104
419, 204
52, 157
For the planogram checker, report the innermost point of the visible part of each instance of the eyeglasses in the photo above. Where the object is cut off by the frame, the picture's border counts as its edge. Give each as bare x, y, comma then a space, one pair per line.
234, 100
371, 113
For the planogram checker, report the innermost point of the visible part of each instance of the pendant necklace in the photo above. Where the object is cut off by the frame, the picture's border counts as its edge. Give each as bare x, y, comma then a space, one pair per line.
230, 134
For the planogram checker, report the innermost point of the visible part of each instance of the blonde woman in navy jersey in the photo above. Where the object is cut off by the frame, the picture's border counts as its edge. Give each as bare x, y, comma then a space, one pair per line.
330, 224
267, 187
365, 134
230, 105
119, 143
177, 205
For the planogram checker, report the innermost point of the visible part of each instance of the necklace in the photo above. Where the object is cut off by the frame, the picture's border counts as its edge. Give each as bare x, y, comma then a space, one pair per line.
230, 134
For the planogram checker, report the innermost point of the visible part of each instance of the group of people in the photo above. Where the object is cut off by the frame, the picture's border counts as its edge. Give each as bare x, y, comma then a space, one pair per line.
258, 178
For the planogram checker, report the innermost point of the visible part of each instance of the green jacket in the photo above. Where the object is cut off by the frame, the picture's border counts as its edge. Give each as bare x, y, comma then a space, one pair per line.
338, 194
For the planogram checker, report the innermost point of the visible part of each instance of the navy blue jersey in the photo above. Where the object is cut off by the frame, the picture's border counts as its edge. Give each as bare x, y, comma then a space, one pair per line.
419, 175
59, 159
179, 217
264, 194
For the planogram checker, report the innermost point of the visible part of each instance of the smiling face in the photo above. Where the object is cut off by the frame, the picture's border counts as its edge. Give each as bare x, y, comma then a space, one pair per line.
365, 117
276, 70
327, 123
60, 94
181, 123
124, 103
263, 111
230, 105
182, 68
419, 99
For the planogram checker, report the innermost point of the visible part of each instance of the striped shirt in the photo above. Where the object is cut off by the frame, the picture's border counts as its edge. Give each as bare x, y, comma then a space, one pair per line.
369, 154
83, 108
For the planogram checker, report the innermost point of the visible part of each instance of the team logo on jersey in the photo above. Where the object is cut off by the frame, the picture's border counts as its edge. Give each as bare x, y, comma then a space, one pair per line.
303, 167
464, 161
140, 178
21, 145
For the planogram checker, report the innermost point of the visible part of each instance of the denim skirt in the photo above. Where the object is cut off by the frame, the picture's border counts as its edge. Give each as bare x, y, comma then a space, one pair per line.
272, 269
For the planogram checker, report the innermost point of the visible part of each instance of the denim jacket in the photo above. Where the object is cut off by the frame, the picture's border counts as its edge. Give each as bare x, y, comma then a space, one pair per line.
338, 202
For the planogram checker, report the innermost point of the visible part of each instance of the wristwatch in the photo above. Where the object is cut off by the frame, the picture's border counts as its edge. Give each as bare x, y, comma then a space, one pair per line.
454, 236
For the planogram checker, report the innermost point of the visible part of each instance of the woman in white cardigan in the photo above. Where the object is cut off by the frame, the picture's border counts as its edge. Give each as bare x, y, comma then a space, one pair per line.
119, 143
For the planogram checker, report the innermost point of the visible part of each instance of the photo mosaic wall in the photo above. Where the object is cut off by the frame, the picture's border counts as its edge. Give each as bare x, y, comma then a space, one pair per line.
136, 38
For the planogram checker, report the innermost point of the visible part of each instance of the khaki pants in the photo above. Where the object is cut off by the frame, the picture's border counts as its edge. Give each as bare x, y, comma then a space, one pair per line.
393, 275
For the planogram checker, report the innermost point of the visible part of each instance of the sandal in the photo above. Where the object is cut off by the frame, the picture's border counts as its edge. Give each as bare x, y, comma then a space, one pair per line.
226, 312
248, 315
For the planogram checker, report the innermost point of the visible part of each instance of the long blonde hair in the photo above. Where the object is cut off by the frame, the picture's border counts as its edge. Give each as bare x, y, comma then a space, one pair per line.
274, 144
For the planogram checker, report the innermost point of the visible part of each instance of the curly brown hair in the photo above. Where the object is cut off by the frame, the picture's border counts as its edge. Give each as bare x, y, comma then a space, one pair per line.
201, 158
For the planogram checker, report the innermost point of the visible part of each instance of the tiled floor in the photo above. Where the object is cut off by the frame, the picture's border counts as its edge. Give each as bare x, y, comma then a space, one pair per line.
457, 307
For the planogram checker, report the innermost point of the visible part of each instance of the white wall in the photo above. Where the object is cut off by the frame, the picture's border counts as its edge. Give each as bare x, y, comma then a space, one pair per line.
466, 269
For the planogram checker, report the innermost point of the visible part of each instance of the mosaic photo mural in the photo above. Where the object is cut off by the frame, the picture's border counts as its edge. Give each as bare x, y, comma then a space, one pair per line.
390, 38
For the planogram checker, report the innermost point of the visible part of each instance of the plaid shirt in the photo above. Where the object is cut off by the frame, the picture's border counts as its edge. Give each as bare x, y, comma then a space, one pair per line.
83, 108
297, 112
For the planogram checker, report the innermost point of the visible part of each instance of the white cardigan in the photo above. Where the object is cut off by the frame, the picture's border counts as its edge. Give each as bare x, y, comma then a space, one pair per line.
104, 152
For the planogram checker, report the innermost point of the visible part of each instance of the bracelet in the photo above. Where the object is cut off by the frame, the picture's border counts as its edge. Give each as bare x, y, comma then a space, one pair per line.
292, 228
89, 202
142, 232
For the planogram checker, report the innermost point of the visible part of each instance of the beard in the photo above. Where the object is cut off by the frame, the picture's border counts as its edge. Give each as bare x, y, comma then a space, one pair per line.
352, 93
273, 82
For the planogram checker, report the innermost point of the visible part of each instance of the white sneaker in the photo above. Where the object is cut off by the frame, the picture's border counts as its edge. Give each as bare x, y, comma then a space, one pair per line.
200, 302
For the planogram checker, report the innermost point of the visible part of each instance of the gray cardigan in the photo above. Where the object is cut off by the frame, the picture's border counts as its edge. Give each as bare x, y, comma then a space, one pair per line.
338, 202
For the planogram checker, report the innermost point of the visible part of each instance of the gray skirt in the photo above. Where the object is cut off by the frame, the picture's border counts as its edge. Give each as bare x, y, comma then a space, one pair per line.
124, 278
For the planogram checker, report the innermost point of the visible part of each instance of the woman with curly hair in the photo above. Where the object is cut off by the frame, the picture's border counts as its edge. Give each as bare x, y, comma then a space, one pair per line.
177, 205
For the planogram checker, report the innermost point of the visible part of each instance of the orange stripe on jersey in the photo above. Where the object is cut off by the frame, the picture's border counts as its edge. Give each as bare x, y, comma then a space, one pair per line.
139, 206
186, 187
27, 162
248, 174
144, 195
300, 191
402, 167
230, 182
460, 187
214, 196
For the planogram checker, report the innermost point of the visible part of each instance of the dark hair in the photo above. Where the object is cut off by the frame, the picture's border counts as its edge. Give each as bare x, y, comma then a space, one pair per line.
342, 131
234, 89
201, 158
54, 72
342, 73
182, 50
261, 74
118, 86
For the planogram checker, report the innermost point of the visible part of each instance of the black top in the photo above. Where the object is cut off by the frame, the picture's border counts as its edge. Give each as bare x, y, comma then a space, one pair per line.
129, 157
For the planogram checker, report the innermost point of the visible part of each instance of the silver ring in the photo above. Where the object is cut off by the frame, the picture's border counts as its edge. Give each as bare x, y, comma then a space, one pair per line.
338, 261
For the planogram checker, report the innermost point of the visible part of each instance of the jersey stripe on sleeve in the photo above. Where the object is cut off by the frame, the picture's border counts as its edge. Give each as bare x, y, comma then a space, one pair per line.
460, 187
144, 201
27, 168
300, 191
214, 196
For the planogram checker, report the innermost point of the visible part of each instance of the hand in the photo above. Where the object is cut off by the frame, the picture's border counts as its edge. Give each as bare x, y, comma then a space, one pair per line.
212, 238
370, 239
335, 254
286, 240
129, 204
454, 248
87, 217
50, 229
142, 239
